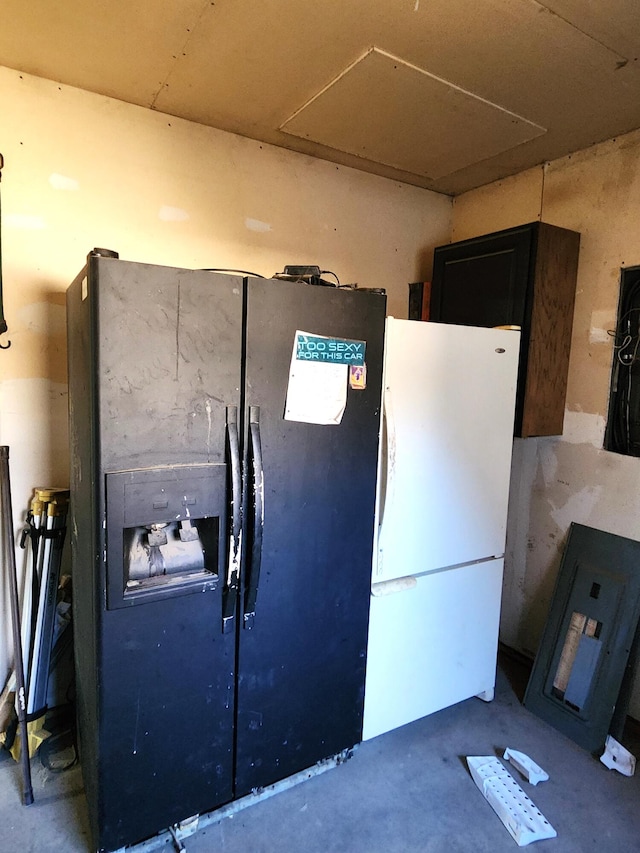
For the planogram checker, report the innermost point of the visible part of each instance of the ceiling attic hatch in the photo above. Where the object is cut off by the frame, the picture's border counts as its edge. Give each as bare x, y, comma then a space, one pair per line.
391, 112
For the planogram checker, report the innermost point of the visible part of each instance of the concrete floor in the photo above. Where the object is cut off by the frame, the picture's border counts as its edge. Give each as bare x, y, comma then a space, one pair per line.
409, 790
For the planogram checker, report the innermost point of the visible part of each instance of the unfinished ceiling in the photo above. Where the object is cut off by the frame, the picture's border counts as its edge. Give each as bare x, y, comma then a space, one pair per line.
444, 94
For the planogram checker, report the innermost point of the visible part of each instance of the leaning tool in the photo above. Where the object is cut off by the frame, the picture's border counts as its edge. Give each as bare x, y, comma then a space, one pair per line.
51, 540
9, 560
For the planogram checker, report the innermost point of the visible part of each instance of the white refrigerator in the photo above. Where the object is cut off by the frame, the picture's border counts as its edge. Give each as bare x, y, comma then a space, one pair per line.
443, 486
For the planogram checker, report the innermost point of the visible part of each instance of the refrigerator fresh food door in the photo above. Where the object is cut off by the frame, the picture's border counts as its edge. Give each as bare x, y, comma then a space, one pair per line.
449, 396
308, 526
432, 643
154, 364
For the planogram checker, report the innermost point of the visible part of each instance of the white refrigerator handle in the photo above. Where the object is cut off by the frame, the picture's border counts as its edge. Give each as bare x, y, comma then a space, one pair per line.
388, 467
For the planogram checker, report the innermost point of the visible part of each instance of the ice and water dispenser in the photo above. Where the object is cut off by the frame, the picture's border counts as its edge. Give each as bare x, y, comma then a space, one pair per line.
166, 529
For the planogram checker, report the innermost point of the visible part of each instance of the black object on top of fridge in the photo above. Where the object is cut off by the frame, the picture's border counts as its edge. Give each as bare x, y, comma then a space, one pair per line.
224, 436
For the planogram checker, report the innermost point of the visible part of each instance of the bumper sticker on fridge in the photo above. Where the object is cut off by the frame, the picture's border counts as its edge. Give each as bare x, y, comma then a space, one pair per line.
318, 377
329, 350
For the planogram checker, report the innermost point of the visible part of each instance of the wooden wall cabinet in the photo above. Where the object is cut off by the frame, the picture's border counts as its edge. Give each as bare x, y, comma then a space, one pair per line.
524, 276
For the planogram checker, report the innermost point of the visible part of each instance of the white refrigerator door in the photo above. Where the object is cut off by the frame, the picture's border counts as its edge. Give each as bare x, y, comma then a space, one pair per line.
449, 400
431, 645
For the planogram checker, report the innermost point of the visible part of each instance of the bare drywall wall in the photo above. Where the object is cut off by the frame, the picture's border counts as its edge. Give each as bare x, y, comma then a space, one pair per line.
520, 201
570, 478
83, 170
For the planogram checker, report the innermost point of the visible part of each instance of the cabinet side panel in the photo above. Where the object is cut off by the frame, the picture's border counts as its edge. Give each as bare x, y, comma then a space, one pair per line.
554, 289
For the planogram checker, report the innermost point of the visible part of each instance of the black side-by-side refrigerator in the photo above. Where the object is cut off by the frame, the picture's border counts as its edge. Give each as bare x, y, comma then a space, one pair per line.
224, 434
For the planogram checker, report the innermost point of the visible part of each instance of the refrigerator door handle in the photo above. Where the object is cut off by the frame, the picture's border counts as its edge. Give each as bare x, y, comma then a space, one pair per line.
253, 571
230, 594
387, 484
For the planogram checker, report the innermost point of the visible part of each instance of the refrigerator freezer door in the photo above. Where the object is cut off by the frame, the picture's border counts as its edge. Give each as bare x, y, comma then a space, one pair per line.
301, 664
432, 645
446, 455
154, 360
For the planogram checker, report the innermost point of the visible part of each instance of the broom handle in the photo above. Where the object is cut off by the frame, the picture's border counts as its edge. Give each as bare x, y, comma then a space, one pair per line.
10, 563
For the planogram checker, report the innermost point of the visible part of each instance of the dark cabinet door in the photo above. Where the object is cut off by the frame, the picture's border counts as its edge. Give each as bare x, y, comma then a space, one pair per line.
301, 665
482, 283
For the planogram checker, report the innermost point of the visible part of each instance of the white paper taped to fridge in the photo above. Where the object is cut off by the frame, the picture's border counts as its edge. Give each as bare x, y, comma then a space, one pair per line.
318, 377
